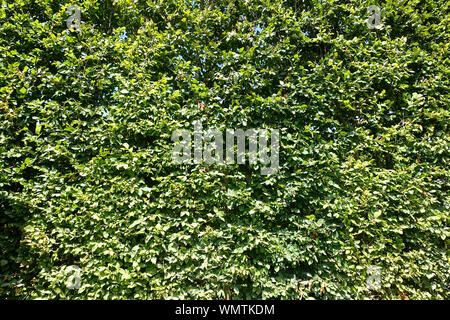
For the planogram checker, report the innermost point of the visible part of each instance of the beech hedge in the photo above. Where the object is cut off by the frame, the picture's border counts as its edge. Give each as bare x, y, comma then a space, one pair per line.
86, 177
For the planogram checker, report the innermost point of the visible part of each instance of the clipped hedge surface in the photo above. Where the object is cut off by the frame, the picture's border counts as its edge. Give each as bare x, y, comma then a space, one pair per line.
86, 176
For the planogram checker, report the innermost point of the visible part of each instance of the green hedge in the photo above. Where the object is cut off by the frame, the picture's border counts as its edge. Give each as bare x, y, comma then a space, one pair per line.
86, 177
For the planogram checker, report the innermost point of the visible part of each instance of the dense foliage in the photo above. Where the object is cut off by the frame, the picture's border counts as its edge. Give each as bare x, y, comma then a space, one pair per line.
86, 177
